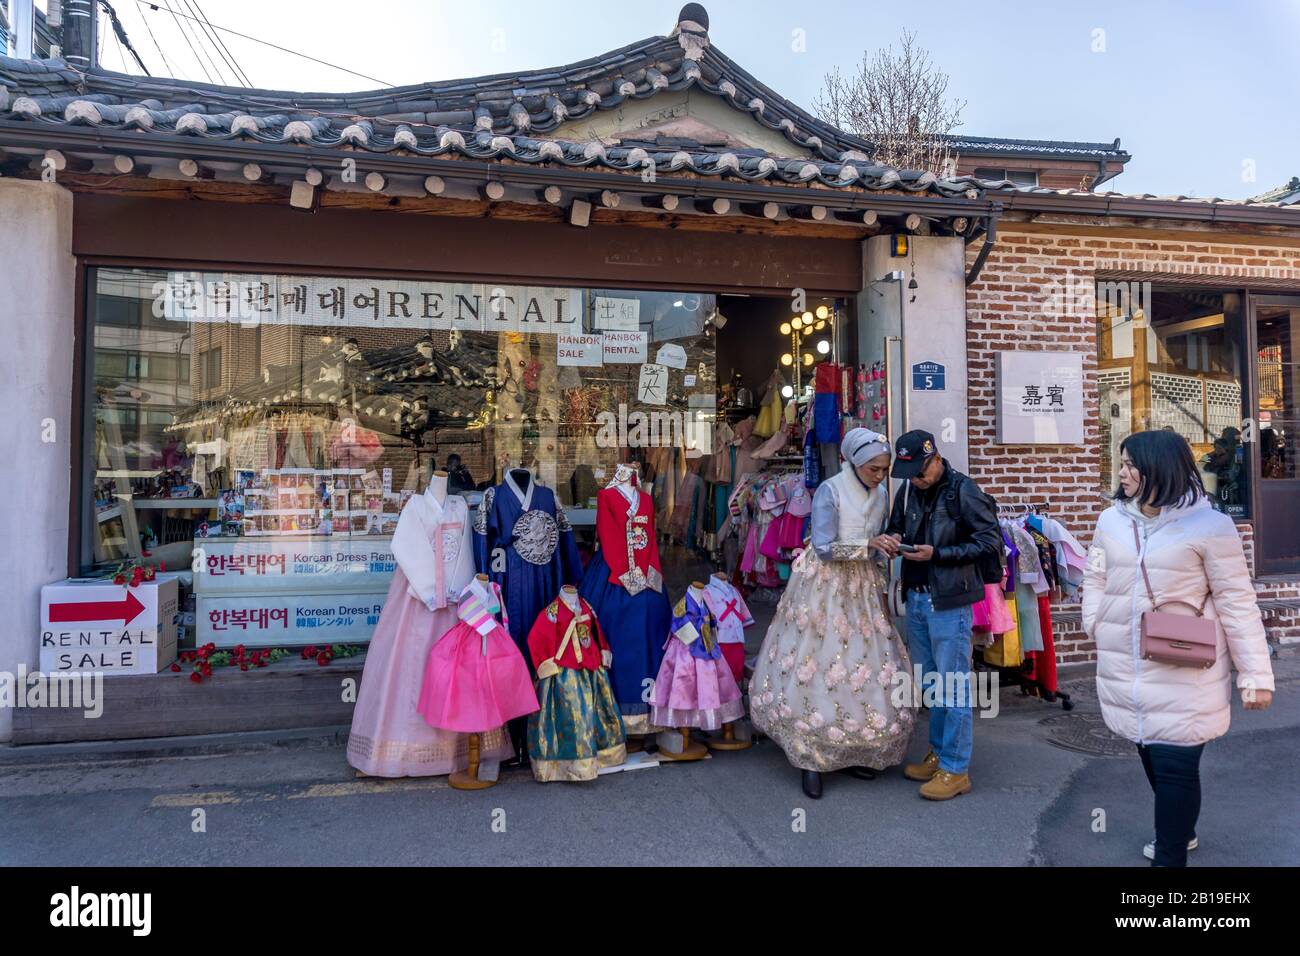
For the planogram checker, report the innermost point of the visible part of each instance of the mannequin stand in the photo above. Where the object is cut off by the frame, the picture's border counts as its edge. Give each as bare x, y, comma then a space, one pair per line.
691, 750
467, 779
729, 740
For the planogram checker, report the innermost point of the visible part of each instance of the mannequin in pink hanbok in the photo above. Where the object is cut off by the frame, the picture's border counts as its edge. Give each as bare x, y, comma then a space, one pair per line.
435, 562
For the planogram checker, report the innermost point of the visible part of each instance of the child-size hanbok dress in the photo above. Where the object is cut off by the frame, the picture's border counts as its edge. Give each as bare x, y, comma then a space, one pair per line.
435, 561
732, 614
624, 585
695, 687
523, 541
476, 679
577, 729
824, 677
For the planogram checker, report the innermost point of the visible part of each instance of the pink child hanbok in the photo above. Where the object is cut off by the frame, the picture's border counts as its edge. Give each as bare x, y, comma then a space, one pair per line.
435, 561
476, 678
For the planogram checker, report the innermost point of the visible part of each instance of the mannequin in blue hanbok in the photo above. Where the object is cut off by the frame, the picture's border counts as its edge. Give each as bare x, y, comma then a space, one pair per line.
523, 541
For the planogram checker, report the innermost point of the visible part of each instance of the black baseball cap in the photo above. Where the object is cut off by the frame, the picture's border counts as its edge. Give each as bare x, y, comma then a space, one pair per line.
911, 452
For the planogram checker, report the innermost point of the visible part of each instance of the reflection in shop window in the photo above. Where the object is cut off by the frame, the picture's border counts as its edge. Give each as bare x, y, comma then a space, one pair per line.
281, 424
1172, 358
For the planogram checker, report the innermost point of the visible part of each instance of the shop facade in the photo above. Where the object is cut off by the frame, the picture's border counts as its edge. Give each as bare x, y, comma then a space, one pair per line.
245, 334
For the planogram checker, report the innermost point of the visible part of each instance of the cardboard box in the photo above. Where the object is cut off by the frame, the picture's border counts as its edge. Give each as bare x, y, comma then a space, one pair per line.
95, 625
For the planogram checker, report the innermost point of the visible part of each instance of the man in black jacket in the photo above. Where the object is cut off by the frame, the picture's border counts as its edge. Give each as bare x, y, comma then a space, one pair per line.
944, 526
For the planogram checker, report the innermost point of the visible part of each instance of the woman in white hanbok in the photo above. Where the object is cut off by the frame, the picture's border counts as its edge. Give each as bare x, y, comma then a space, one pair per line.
824, 683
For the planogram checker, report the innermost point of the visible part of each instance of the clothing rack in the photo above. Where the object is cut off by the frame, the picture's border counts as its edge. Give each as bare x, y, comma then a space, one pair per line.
1019, 511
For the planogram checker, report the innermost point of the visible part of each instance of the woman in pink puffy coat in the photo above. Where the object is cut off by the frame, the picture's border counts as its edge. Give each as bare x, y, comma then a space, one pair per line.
1192, 555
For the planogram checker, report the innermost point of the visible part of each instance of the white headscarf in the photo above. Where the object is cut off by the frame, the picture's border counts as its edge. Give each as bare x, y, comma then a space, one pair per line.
861, 445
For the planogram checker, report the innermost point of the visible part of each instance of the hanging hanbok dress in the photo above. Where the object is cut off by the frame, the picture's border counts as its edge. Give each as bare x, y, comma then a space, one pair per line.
476, 679
824, 678
523, 541
435, 561
624, 585
695, 687
578, 730
732, 614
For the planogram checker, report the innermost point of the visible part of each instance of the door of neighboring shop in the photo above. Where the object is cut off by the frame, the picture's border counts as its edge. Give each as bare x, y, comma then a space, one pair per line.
1277, 420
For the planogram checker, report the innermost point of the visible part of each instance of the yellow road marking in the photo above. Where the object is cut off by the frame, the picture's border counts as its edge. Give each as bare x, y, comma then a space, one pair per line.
194, 799
351, 788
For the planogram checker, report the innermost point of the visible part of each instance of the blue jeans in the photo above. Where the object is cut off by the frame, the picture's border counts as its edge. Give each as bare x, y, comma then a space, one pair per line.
939, 643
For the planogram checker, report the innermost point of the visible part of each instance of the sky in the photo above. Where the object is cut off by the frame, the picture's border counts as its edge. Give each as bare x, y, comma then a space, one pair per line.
1204, 95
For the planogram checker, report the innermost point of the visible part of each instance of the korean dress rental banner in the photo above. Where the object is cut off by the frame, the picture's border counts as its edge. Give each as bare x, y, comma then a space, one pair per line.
624, 585
435, 561
524, 543
695, 687
476, 679
578, 730
824, 678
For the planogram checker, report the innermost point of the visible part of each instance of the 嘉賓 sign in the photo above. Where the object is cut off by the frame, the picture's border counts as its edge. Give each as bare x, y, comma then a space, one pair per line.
1040, 398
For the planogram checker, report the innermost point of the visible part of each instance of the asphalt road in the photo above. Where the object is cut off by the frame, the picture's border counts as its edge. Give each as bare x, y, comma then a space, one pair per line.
292, 799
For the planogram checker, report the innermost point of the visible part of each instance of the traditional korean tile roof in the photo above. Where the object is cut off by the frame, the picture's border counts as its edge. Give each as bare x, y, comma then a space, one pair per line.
500, 117
992, 147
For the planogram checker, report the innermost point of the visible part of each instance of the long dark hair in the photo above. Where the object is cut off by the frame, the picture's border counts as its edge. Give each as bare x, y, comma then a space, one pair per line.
1164, 461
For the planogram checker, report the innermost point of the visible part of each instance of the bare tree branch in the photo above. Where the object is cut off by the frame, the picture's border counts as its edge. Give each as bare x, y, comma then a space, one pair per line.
897, 102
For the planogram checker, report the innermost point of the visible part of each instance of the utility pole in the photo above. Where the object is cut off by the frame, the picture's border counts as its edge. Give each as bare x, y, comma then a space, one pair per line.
23, 29
80, 33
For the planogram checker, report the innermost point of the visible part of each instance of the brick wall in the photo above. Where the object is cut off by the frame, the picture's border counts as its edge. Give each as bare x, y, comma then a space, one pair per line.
1016, 305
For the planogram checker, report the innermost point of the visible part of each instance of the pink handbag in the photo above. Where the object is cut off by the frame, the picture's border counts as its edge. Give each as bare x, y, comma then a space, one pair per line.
1176, 639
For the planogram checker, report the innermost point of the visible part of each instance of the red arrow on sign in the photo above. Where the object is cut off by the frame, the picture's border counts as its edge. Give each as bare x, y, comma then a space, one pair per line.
126, 610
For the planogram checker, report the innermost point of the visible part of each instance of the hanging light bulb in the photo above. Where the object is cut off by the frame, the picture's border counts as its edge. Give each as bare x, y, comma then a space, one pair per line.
823, 312
819, 326
787, 391
785, 328
786, 359
807, 358
823, 346
796, 323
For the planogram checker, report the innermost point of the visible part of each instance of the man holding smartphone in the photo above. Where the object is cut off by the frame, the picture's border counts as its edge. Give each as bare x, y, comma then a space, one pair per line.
944, 526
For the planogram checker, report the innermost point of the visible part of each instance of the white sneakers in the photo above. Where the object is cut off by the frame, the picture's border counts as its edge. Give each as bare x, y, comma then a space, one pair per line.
1149, 851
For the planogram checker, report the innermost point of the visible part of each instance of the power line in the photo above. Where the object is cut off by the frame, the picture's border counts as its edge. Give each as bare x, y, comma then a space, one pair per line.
122, 39
222, 50
274, 46
222, 43
186, 37
199, 44
171, 70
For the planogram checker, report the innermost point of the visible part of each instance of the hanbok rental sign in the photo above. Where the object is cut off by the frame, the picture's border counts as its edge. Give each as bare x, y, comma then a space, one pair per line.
368, 303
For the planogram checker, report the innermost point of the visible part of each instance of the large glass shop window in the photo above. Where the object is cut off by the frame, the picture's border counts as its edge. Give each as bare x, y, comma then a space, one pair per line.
264, 432
1173, 359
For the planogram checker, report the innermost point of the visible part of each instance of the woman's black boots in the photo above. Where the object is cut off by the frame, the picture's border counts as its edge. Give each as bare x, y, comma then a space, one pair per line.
812, 784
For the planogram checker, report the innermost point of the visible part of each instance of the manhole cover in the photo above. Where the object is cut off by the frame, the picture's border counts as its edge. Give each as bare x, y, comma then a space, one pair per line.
1086, 733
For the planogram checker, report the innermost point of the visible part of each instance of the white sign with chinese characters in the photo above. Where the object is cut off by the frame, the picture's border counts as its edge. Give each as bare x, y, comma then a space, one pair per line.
616, 315
652, 387
1040, 398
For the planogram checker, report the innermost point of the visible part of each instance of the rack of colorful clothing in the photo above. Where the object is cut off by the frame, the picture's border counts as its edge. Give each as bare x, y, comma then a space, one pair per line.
1013, 624
767, 518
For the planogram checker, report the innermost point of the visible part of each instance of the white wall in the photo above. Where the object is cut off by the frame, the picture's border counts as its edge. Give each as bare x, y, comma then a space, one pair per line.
933, 327
37, 276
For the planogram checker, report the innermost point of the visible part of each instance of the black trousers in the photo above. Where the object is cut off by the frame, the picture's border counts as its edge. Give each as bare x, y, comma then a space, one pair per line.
1175, 776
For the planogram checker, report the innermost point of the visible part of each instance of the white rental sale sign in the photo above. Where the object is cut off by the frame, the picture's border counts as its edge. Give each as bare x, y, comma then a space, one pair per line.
112, 628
